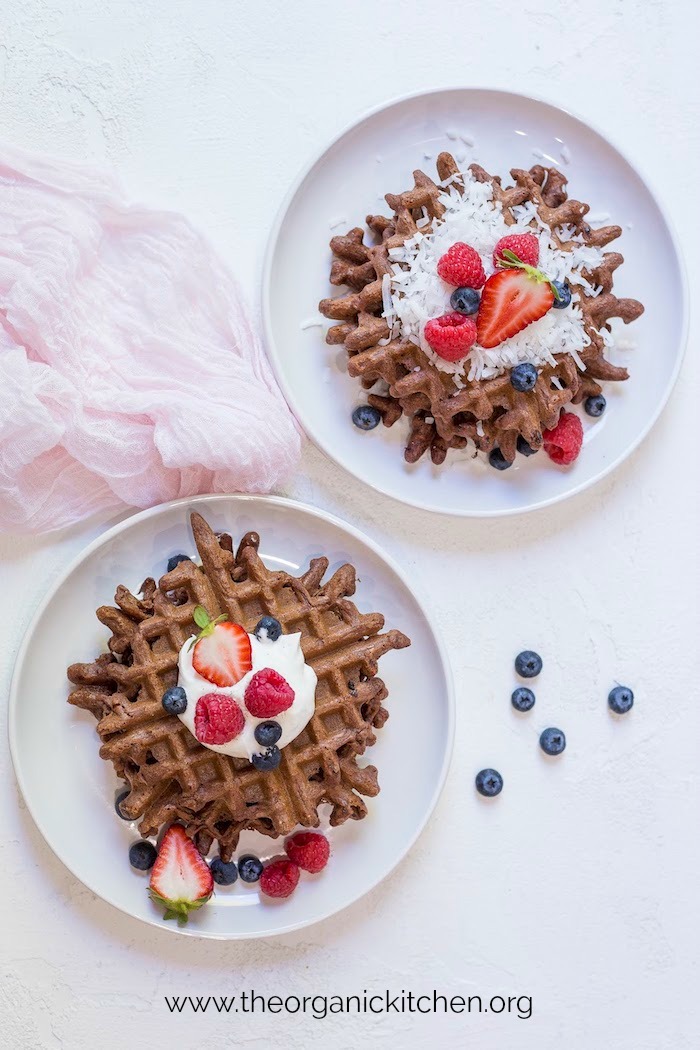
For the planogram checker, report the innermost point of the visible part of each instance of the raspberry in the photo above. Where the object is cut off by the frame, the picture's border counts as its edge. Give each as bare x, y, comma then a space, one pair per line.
563, 443
217, 719
309, 850
268, 694
461, 266
524, 245
279, 878
451, 336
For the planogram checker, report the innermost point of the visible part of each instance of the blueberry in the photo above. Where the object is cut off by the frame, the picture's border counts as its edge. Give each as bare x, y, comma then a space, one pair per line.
366, 418
620, 699
250, 868
465, 300
176, 559
118, 801
552, 741
267, 760
268, 733
596, 405
523, 448
523, 699
489, 783
142, 855
563, 293
523, 377
498, 460
528, 664
175, 700
271, 627
222, 873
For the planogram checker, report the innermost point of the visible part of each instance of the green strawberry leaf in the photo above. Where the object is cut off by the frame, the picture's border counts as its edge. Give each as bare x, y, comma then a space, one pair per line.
510, 261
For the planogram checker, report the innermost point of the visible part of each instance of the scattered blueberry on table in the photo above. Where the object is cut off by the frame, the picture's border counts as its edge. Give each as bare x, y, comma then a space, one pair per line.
620, 699
523, 699
528, 664
223, 873
489, 783
142, 855
552, 741
365, 417
250, 868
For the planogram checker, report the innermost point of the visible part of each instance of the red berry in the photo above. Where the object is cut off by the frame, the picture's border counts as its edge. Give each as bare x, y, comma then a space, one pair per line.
563, 443
280, 878
511, 300
268, 694
523, 245
222, 654
461, 266
451, 336
181, 879
309, 850
217, 719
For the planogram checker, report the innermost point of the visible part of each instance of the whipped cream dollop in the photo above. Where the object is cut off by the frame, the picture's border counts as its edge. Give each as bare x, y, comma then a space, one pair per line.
284, 656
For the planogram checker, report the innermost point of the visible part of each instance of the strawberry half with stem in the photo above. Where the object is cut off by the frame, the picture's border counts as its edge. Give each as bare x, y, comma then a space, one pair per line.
180, 878
511, 300
222, 652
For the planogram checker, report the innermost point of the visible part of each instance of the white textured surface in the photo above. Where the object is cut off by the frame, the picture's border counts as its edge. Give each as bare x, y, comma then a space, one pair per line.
578, 886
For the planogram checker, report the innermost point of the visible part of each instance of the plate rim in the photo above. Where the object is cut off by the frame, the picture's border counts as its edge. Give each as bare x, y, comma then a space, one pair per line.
275, 357
289, 504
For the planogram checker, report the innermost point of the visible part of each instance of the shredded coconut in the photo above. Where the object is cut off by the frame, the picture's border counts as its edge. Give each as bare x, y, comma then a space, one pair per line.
414, 292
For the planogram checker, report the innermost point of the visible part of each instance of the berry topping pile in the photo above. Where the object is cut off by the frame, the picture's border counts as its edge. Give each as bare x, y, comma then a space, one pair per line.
515, 296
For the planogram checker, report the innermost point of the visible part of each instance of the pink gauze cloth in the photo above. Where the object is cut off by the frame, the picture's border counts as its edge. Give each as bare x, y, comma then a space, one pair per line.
129, 369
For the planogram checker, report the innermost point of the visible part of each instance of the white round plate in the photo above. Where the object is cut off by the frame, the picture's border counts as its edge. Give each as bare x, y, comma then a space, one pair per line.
70, 791
377, 155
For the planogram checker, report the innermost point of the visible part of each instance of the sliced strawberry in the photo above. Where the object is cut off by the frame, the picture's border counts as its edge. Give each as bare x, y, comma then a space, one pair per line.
180, 879
510, 301
222, 655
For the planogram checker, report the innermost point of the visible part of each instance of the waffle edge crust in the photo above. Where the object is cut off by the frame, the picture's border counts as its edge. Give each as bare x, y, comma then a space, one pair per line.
488, 412
170, 775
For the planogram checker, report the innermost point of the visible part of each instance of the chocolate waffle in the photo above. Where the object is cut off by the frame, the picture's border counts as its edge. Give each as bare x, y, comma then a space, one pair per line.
489, 412
170, 775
